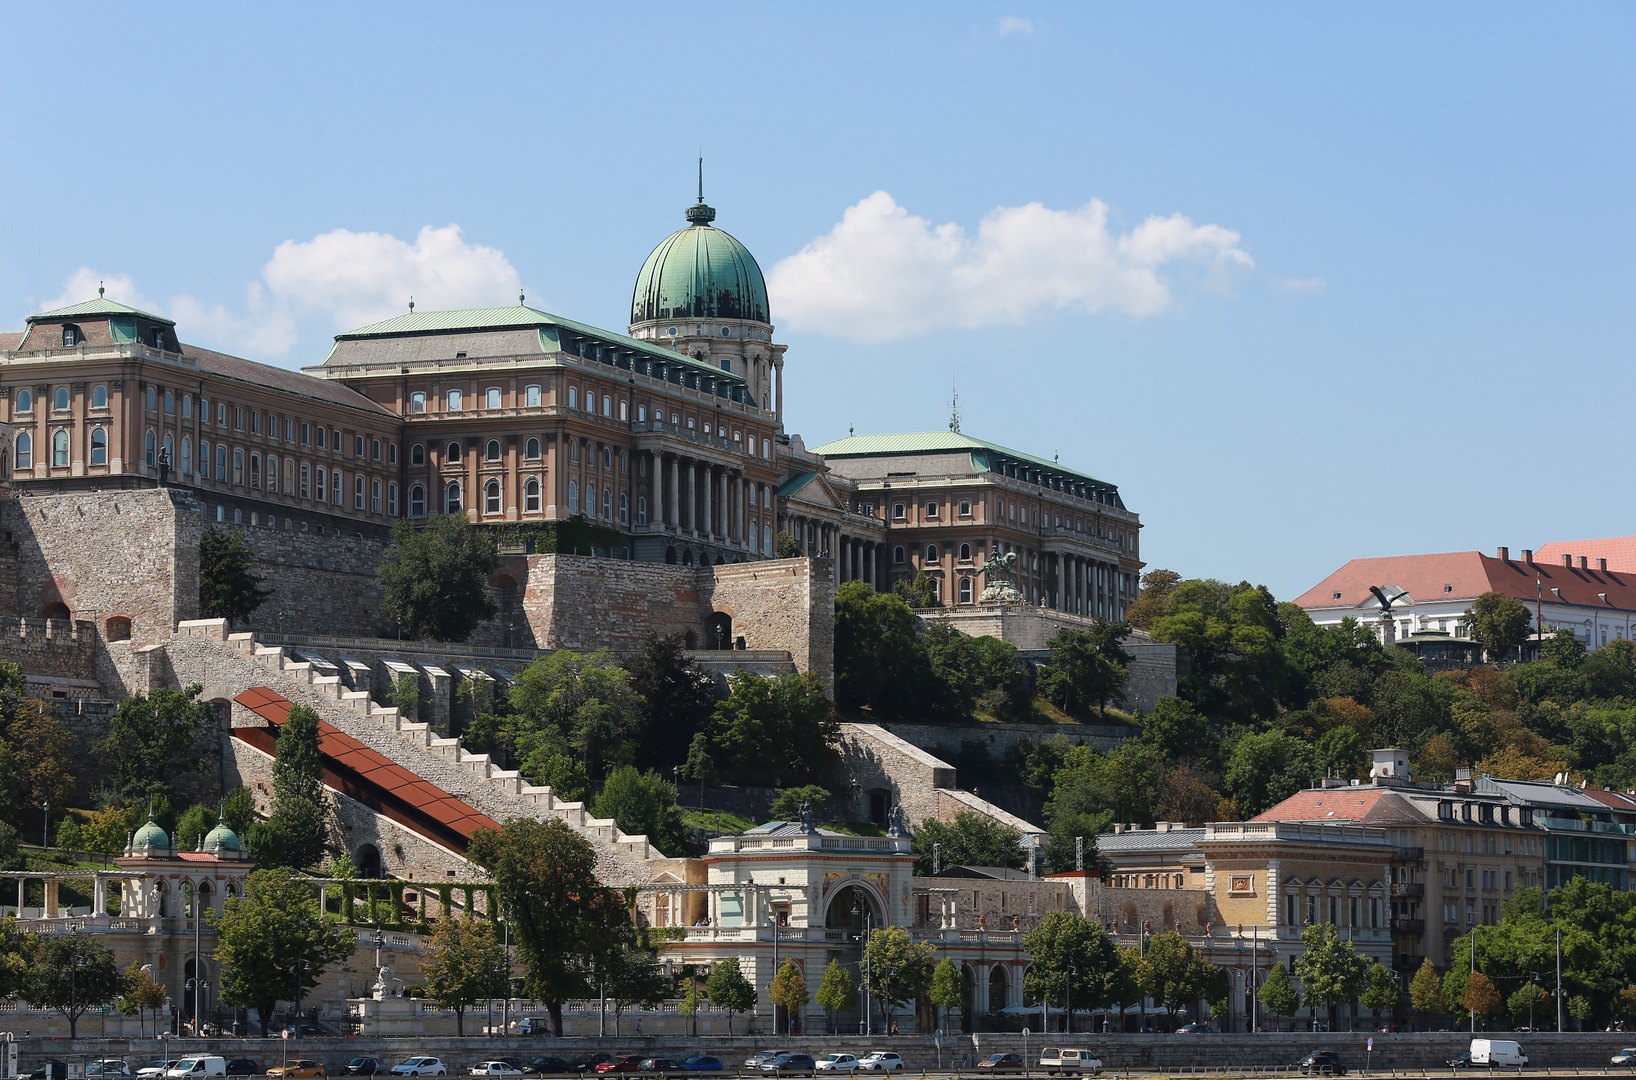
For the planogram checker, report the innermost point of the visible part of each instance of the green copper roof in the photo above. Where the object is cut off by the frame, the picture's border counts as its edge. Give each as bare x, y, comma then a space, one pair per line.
150, 837
794, 484
221, 838
100, 306
420, 322
928, 442
700, 272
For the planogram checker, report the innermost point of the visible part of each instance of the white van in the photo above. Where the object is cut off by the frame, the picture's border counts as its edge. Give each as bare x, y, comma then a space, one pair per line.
1503, 1052
1066, 1060
198, 1067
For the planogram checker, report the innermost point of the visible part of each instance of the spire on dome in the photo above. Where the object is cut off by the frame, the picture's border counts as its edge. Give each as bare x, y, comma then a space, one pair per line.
699, 213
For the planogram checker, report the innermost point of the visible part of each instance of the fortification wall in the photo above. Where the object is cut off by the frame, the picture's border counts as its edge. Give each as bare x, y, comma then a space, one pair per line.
50, 647
322, 583
874, 764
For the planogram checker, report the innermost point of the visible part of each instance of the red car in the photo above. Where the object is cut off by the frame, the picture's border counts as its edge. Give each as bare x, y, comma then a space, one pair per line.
624, 1063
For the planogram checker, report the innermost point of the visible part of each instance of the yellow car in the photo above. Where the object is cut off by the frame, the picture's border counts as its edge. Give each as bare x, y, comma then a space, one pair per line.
298, 1067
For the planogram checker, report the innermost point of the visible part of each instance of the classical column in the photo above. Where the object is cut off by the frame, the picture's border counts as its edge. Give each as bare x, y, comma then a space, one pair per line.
705, 515
692, 497
739, 508
99, 896
673, 501
656, 485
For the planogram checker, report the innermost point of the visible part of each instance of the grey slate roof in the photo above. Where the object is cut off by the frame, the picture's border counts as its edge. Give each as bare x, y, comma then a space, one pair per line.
1137, 840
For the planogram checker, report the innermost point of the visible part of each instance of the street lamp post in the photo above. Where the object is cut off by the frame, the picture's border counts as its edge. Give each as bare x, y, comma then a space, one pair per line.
296, 969
1068, 989
773, 923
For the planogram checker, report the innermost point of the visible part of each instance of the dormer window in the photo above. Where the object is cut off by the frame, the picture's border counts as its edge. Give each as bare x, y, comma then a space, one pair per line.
71, 336
158, 338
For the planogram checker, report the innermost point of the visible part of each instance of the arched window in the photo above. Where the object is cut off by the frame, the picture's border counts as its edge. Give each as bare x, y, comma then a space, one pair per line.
417, 501
624, 410
531, 496
59, 448
931, 553
306, 481
997, 984
493, 398
417, 401
531, 449
374, 496
965, 590
965, 508
573, 398
491, 497
641, 510
531, 396
624, 508
322, 442
766, 539
898, 554
71, 336
221, 463
451, 498
573, 496
931, 510
897, 511
187, 409
492, 451
452, 455
117, 628
187, 454
272, 469
573, 449
607, 504
456, 399
417, 454
607, 405
641, 413
965, 553
170, 403
148, 448
289, 477
99, 396
153, 398
61, 401
25, 451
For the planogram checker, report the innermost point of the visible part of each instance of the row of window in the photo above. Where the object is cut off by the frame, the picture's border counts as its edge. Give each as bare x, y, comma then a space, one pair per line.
307, 434
301, 480
60, 399
73, 336
59, 448
1331, 910
455, 400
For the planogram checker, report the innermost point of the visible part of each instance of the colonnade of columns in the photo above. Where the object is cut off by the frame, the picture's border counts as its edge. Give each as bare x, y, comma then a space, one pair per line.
703, 499
857, 558
1088, 587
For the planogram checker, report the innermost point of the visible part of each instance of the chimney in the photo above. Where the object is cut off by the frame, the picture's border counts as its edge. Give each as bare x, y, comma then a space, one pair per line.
1584, 563
1528, 556
1568, 561
1602, 565
1504, 555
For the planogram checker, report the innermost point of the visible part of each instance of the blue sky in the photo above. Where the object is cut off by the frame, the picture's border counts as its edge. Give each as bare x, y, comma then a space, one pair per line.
1307, 282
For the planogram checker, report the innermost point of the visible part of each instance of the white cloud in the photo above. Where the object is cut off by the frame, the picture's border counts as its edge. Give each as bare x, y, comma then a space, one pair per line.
1013, 24
1304, 284
882, 274
352, 278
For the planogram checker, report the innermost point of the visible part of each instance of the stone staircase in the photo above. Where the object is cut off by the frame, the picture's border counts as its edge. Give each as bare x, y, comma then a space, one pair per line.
502, 794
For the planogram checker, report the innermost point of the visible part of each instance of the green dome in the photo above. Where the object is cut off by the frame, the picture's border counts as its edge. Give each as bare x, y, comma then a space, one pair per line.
220, 839
697, 273
150, 837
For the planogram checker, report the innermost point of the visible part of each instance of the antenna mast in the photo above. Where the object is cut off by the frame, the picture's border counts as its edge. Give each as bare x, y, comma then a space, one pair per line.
954, 405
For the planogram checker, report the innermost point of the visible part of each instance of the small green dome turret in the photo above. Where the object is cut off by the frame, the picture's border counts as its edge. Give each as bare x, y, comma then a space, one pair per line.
150, 837
700, 272
221, 839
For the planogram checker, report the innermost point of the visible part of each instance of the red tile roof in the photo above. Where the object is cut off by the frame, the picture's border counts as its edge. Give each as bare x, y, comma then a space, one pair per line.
369, 777
1361, 805
1619, 551
1464, 575
1618, 800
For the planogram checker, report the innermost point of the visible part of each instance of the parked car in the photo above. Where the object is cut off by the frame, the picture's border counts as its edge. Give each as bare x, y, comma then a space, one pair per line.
1068, 1060
50, 1070
364, 1066
621, 1063
542, 1066
494, 1068
1322, 1063
659, 1065
1461, 1062
837, 1063
242, 1067
108, 1069
703, 1063
756, 1061
791, 1065
297, 1067
1002, 1063
1198, 1027
1492, 1052
156, 1068
197, 1068
589, 1062
881, 1061
1627, 1056
421, 1066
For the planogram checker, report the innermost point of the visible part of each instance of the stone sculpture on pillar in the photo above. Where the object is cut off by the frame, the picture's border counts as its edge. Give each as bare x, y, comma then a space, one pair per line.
997, 573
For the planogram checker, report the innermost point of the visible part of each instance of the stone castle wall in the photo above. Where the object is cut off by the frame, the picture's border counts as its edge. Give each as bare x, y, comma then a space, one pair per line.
873, 761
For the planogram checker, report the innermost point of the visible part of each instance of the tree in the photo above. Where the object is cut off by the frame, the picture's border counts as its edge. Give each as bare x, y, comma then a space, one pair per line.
730, 990
918, 592
107, 831
1075, 962
896, 968
789, 992
1070, 833
273, 938
1176, 973
967, 672
787, 806
562, 918
142, 995
1499, 623
1157, 585
192, 827
948, 989
574, 702
68, 834
643, 804
69, 973
971, 839
1264, 770
298, 793
1480, 995
880, 663
1086, 668
239, 810
1175, 729
42, 757
1525, 1001
14, 957
787, 546
1426, 989
782, 728
1380, 990
632, 972
1626, 1002
459, 964
1278, 993
435, 578
1564, 649
837, 993
700, 764
151, 739
1341, 753
678, 700
227, 588
1332, 971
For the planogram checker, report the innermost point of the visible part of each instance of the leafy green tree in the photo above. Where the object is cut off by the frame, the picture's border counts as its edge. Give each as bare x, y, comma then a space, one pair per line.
1564, 649
1380, 990
69, 973
298, 793
1086, 668
700, 764
1176, 730
1332, 972
1157, 585
787, 806
880, 663
789, 992
1278, 993
730, 990
1426, 989
68, 834
678, 700
948, 989
562, 918
435, 578
1341, 753
239, 810
41, 752
407, 697
918, 592
787, 546
1524, 1002
1075, 962
562, 774
1264, 770
573, 702
1238, 671
227, 588
151, 739
273, 936
141, 996
1499, 622
192, 827
1581, 1009
1176, 973
459, 964
1068, 834
632, 973
643, 804
897, 968
782, 728
971, 839
837, 993
968, 672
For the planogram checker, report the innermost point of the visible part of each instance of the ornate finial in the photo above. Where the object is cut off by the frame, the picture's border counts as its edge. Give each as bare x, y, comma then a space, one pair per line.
520, 299
1055, 456
849, 429
100, 290
701, 178
700, 214
954, 406
411, 305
